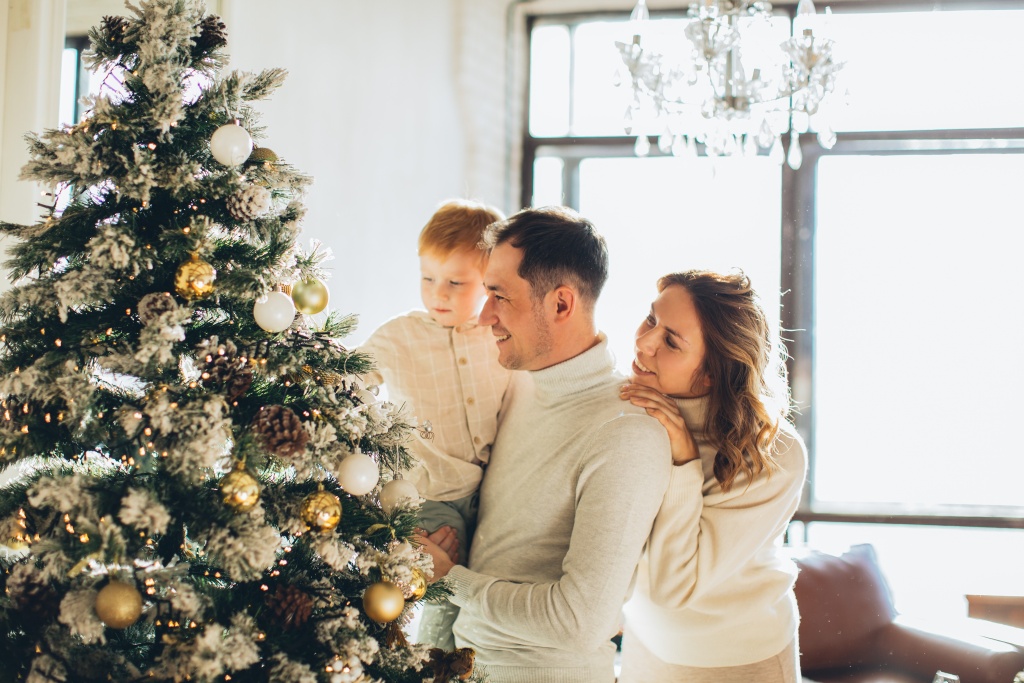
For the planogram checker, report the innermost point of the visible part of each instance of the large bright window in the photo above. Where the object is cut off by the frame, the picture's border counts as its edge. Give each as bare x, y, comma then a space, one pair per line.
918, 286
891, 262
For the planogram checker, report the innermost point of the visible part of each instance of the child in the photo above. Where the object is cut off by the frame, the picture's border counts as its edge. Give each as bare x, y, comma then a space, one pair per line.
444, 368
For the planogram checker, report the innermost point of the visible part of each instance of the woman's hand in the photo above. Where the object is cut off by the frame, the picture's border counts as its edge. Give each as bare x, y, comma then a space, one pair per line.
443, 548
665, 411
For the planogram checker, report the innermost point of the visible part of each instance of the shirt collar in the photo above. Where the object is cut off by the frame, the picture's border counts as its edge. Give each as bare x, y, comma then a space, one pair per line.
427, 320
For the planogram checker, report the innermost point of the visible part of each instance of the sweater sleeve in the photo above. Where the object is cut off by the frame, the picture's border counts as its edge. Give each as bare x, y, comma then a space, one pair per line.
622, 478
698, 542
376, 347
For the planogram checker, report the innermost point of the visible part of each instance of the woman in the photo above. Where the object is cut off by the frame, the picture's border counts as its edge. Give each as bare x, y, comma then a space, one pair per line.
714, 599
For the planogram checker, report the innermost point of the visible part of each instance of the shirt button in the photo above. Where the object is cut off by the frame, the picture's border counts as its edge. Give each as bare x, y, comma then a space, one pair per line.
463, 361
470, 401
476, 440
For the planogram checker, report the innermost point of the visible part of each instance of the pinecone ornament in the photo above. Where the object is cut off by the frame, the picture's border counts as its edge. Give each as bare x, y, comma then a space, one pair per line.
280, 430
114, 28
155, 304
225, 369
211, 36
292, 605
448, 665
38, 602
252, 201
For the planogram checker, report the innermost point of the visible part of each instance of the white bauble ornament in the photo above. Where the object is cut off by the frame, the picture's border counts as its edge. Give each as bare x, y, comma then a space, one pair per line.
358, 474
397, 492
231, 144
275, 312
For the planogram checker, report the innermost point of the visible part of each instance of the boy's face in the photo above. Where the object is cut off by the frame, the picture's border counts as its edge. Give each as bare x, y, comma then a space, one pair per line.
452, 286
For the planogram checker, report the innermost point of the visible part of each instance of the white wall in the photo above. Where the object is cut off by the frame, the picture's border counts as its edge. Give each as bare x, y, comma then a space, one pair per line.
391, 107
33, 32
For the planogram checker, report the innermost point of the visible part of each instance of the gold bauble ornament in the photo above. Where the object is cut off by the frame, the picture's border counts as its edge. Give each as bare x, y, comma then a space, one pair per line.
261, 155
194, 278
417, 586
310, 296
240, 490
383, 602
118, 604
321, 511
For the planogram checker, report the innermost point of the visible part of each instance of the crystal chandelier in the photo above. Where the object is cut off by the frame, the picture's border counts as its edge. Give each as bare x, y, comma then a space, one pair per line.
713, 97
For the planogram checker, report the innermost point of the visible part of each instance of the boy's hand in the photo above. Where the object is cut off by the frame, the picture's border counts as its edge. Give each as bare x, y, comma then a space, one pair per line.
443, 548
447, 539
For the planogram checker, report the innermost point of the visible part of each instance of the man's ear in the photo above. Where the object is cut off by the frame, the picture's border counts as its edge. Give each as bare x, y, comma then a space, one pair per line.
565, 300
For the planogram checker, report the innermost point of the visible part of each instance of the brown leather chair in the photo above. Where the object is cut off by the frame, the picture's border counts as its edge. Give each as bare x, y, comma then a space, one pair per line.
849, 632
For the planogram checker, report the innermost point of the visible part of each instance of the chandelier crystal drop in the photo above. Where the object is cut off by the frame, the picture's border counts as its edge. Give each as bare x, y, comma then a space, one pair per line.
716, 96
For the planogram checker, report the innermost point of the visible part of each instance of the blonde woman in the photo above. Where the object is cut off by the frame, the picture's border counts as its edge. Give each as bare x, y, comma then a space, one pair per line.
714, 599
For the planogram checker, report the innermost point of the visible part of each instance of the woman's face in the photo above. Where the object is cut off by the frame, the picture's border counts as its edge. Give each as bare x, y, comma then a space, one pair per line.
670, 347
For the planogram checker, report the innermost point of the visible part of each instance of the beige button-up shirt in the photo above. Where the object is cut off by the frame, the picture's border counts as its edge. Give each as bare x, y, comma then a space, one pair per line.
451, 377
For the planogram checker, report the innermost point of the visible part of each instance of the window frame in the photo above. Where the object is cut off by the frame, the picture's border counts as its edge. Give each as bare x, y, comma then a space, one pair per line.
798, 225
80, 44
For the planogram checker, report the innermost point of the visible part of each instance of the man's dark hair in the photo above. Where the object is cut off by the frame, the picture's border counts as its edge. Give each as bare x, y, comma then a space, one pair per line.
560, 247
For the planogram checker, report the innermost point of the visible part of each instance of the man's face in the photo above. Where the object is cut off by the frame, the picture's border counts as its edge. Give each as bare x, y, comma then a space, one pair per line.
520, 326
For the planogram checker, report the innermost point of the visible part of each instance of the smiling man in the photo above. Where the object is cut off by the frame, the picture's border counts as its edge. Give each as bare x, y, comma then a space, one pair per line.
576, 476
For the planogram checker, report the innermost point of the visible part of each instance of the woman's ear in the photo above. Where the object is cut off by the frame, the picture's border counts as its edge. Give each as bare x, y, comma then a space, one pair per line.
701, 384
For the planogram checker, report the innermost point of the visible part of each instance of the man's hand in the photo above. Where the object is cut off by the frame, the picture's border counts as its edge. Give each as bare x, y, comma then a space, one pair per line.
443, 548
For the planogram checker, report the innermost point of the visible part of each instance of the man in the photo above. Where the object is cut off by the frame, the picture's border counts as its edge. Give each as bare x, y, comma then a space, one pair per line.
576, 476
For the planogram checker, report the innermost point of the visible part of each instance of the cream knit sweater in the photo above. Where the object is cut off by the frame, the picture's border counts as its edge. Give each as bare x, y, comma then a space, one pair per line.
575, 480
714, 590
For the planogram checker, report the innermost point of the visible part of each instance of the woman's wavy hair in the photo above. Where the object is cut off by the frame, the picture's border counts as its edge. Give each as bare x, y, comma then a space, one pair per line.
749, 397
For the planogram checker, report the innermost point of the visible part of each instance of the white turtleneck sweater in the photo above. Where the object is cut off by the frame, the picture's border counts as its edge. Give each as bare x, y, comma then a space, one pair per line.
575, 479
714, 589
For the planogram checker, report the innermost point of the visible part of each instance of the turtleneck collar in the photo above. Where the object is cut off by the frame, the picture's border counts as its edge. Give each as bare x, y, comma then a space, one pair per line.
580, 373
694, 411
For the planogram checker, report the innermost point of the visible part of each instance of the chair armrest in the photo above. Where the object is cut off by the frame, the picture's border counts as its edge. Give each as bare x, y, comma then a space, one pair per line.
1005, 609
922, 652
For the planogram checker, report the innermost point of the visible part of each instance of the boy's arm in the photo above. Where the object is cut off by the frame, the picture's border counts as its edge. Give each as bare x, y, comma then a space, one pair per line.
376, 346
619, 489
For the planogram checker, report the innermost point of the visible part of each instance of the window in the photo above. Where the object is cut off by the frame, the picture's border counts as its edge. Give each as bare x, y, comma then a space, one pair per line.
897, 250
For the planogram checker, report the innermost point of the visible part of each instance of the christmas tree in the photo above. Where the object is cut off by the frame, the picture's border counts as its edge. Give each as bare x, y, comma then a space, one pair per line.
192, 466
